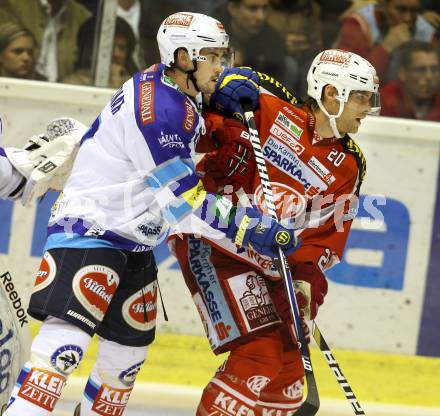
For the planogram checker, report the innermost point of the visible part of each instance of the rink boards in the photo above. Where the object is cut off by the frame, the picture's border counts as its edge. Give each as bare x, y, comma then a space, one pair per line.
382, 298
384, 295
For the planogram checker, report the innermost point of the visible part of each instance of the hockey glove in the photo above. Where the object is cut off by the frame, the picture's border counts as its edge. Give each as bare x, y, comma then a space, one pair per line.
250, 228
47, 159
310, 287
234, 86
233, 163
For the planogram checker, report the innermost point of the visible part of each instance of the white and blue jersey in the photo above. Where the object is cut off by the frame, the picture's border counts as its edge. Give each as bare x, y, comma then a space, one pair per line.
134, 175
10, 178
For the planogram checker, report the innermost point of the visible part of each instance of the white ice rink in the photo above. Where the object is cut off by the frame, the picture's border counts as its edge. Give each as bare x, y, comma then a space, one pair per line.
150, 399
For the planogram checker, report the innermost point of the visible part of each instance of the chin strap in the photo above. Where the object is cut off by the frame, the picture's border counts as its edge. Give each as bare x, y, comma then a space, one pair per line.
192, 77
335, 130
332, 117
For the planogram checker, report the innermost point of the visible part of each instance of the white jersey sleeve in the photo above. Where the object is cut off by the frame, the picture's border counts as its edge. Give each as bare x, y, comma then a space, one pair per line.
11, 181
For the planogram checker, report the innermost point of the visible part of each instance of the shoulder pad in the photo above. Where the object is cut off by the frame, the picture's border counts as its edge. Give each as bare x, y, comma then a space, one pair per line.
352, 147
276, 88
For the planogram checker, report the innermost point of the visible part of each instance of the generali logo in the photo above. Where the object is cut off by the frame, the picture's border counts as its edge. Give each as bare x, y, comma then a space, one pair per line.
146, 102
190, 116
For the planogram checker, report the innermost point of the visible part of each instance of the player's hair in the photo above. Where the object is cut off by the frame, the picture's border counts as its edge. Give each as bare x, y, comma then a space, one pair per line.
85, 45
312, 103
411, 47
10, 31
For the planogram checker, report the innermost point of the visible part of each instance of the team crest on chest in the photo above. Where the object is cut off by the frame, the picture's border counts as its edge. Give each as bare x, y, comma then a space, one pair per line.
288, 201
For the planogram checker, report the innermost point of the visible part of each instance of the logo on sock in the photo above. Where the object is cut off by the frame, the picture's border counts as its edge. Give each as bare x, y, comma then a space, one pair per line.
128, 376
42, 388
111, 401
66, 358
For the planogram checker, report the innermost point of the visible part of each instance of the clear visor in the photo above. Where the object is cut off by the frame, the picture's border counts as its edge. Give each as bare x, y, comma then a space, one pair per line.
368, 97
223, 57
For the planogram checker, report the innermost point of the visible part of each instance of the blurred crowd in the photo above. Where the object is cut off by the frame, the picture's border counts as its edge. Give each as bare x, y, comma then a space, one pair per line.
53, 40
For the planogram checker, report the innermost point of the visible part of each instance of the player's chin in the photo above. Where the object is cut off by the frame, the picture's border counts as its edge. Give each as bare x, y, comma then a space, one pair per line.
209, 87
354, 127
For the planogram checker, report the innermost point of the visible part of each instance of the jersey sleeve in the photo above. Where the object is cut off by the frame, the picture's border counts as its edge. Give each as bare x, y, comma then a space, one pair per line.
271, 85
163, 152
10, 179
323, 244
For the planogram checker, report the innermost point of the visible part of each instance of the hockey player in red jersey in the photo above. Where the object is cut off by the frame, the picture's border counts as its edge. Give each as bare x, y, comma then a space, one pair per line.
315, 171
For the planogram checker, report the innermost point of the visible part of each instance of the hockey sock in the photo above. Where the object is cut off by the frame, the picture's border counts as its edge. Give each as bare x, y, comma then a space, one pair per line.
112, 379
236, 387
283, 396
55, 353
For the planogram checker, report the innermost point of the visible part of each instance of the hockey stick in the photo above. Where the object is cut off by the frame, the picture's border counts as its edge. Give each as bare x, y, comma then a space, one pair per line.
333, 364
311, 404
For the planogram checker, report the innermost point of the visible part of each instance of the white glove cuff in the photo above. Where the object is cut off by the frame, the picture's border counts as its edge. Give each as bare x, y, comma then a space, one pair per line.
19, 158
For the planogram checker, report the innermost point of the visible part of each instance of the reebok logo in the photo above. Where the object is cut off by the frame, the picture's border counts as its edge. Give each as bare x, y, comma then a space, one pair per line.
13, 296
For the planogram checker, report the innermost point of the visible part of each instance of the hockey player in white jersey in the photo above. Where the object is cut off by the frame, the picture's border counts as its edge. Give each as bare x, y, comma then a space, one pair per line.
132, 182
26, 174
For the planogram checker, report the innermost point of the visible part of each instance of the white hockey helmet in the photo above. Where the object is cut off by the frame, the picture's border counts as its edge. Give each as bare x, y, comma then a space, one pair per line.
347, 72
192, 31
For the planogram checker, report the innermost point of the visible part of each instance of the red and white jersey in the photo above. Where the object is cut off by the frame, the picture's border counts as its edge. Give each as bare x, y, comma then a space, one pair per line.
315, 183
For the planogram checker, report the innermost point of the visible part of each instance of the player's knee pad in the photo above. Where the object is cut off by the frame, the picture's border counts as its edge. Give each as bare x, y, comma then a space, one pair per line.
112, 379
59, 346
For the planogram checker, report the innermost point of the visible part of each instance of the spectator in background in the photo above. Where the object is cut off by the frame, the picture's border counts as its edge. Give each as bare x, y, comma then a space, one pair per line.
131, 11
255, 43
55, 24
122, 65
17, 52
431, 12
330, 13
376, 32
299, 23
416, 94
